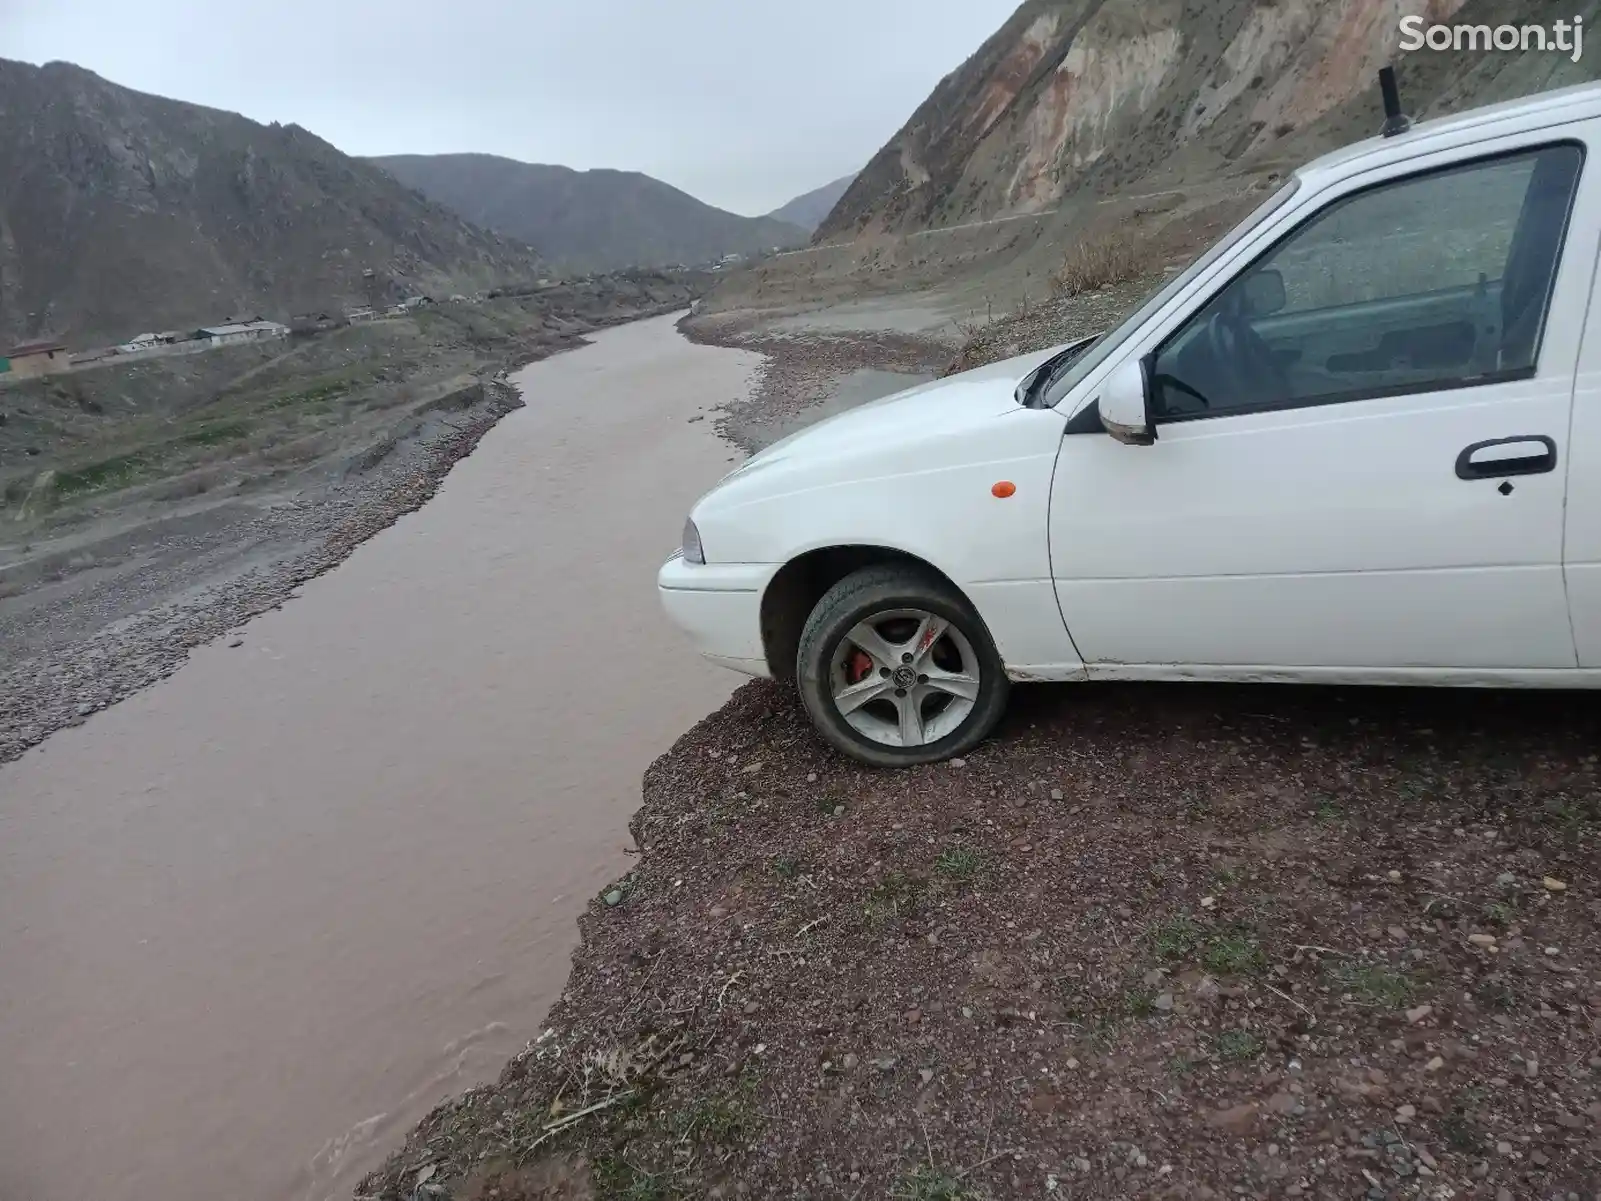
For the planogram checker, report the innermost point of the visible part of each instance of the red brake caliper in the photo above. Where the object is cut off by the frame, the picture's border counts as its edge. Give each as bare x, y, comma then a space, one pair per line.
858, 667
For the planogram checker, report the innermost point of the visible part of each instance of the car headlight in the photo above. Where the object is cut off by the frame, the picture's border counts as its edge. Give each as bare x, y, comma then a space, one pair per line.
693, 551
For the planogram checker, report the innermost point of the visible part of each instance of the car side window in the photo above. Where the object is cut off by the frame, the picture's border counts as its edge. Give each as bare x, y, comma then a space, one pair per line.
1439, 280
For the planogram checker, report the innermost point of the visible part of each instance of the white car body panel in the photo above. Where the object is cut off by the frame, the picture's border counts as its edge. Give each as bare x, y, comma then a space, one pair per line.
1328, 544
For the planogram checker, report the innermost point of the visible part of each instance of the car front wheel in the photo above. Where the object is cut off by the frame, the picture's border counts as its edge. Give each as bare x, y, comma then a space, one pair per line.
895, 668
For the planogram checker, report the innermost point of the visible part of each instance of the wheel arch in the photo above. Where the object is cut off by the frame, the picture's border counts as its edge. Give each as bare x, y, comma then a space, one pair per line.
795, 589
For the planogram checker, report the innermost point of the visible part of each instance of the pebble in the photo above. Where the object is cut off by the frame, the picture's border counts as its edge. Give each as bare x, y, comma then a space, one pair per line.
925, 1074
1482, 940
958, 762
1417, 1014
1552, 884
1056, 794
1164, 1002
1406, 1113
1434, 1065
1208, 902
614, 897
849, 1062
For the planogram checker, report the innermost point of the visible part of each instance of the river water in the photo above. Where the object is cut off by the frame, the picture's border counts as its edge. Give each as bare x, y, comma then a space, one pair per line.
255, 921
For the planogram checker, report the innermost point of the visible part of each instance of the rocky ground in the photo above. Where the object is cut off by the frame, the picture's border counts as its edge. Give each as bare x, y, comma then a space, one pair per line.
114, 588
1178, 942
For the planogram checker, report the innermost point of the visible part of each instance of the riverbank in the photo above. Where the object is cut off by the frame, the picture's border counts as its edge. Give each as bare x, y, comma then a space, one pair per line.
107, 590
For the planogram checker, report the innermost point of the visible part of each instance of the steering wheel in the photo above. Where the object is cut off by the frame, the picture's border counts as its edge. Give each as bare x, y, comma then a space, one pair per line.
1243, 357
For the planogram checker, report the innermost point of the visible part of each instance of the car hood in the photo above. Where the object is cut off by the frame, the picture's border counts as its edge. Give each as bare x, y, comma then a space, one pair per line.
930, 411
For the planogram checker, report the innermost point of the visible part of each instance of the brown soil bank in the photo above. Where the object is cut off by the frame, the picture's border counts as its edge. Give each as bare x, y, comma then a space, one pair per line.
1148, 942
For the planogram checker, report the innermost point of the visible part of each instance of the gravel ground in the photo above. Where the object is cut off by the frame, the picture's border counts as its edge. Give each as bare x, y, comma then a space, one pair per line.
1183, 942
68, 680
801, 370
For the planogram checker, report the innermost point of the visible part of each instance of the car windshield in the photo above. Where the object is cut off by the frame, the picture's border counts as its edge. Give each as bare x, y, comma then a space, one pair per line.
1105, 345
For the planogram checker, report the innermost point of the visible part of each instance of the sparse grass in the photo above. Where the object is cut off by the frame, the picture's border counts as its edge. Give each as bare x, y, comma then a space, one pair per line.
1136, 1002
215, 435
1175, 937
897, 895
618, 1180
827, 805
1500, 913
1328, 812
929, 1183
1234, 953
1099, 261
959, 863
1182, 1065
1236, 1046
786, 867
1374, 983
716, 1120
104, 476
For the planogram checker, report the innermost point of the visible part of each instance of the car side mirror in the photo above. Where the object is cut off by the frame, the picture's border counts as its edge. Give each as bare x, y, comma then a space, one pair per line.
1124, 405
1264, 293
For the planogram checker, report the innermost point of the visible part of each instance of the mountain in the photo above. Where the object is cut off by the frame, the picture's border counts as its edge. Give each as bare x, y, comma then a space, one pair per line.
588, 220
122, 212
1112, 95
809, 209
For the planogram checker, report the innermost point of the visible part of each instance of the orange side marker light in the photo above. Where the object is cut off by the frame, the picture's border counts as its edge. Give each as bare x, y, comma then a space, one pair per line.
1003, 489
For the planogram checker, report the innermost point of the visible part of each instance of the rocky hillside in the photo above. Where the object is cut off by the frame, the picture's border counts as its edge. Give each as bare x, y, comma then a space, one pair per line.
588, 220
808, 209
1113, 94
122, 212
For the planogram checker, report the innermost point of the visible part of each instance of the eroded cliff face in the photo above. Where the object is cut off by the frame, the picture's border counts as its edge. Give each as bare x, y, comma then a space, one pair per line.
1110, 94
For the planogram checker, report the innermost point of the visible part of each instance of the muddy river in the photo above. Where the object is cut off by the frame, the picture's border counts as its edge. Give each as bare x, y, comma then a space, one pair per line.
258, 919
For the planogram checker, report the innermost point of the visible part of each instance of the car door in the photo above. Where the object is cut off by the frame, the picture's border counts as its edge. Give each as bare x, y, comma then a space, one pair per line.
1356, 443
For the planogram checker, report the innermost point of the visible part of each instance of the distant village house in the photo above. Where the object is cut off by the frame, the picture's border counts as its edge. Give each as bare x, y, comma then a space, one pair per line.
36, 358
242, 331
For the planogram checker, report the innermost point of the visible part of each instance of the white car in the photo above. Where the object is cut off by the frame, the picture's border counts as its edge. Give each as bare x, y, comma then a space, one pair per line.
1357, 441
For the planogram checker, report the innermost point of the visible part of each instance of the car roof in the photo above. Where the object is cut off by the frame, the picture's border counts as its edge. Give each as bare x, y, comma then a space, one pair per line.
1539, 111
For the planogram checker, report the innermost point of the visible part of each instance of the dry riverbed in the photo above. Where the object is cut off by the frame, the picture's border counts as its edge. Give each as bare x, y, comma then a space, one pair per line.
1177, 942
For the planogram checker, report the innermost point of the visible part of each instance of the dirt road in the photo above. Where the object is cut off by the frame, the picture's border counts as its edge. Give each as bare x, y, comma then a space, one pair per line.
259, 918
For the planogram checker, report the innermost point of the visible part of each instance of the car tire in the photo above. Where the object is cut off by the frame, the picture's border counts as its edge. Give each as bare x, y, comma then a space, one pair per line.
957, 685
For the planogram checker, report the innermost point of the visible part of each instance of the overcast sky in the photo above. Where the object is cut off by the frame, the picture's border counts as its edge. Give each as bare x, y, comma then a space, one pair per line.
743, 103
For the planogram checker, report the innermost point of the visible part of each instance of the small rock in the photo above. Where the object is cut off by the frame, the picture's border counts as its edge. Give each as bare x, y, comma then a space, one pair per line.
1434, 1065
913, 1016
614, 897
1503, 1148
1208, 902
85, 709
752, 1007
886, 1064
1482, 940
1531, 1067
750, 769
1393, 875
925, 1074
811, 777
1503, 1194
849, 1062
1540, 1159
1406, 1113
1397, 932
1056, 794
1417, 1014
958, 762
1552, 884
1164, 1002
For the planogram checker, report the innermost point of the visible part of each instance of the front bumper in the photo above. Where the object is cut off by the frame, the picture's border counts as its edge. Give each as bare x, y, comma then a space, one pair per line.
719, 605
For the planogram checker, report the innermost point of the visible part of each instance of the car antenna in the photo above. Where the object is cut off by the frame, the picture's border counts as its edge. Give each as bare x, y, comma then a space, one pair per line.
1395, 121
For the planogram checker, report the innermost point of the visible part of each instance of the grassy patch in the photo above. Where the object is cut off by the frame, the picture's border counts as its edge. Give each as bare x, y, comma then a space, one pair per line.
1175, 937
929, 1183
1236, 1046
1328, 813
786, 867
959, 863
215, 435
1234, 952
897, 895
117, 472
618, 1180
716, 1120
1374, 983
